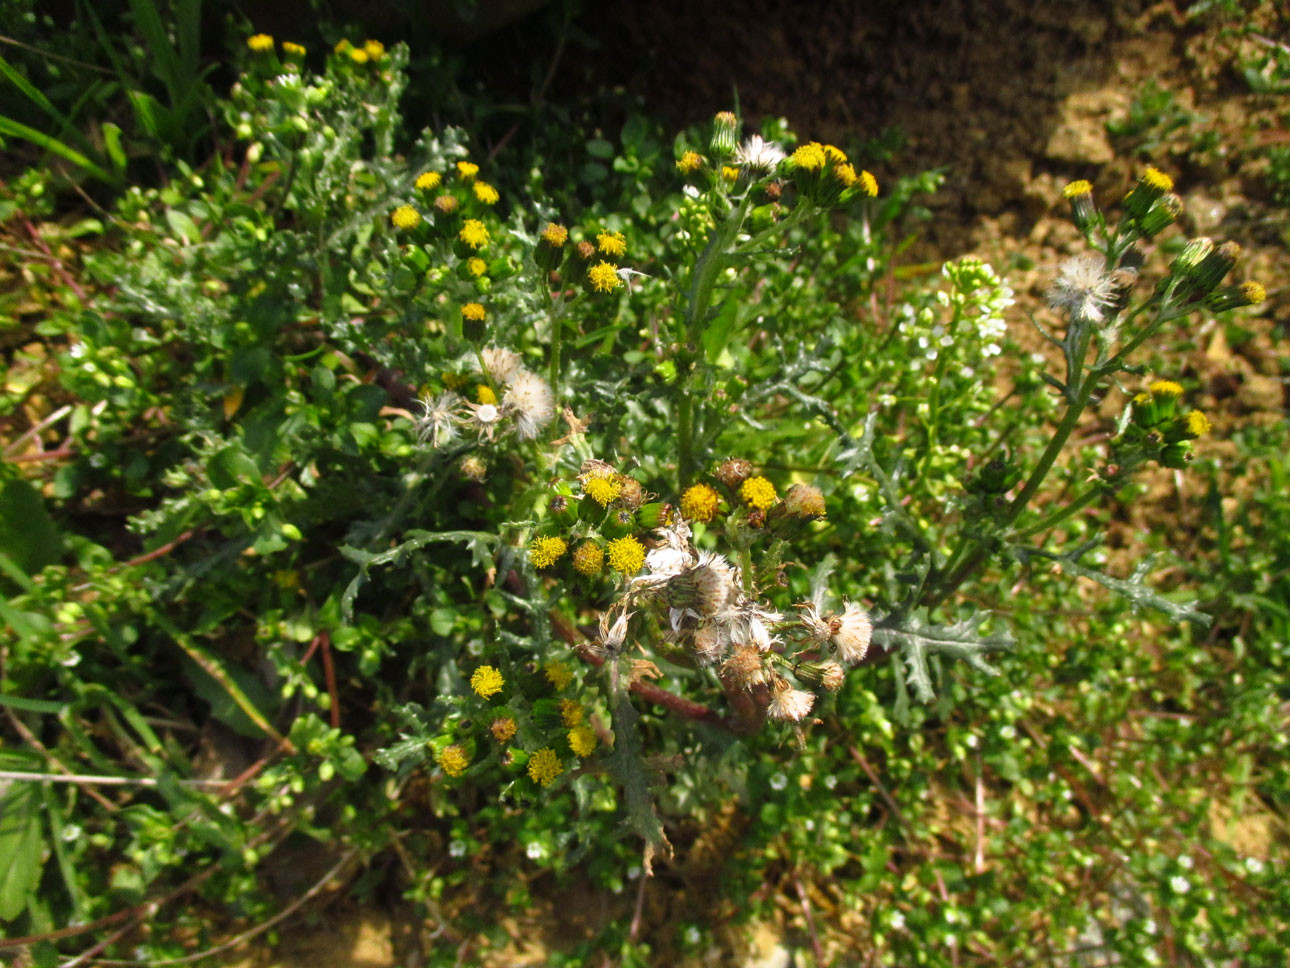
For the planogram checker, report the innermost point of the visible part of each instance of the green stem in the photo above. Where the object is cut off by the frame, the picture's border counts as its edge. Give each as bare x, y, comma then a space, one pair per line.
557, 339
1081, 502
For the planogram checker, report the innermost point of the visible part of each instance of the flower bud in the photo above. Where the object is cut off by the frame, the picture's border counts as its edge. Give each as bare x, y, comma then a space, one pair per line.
1151, 187
1193, 254
1162, 214
1214, 267
1177, 455
1235, 297
725, 135
733, 472
827, 675
1084, 212
550, 248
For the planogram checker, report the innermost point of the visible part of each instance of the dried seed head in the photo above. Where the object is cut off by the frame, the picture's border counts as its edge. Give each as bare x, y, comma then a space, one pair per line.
745, 667
789, 704
852, 631
734, 471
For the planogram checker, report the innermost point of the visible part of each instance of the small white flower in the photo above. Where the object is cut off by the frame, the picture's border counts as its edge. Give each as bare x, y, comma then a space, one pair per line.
778, 782
759, 155
1180, 884
534, 850
1083, 288
457, 848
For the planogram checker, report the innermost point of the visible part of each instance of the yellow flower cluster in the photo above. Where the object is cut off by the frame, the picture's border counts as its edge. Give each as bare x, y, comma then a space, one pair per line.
1198, 424
588, 558
758, 493
868, 184
486, 193
689, 163
545, 552
570, 712
1077, 189
555, 235
603, 277
1157, 179
474, 233
453, 760
626, 555
428, 181
544, 766
1165, 388
810, 156
405, 217
476, 266
699, 503
467, 170
374, 50
582, 740
613, 244
486, 681
260, 43
484, 394
293, 50
1253, 292
503, 728
474, 312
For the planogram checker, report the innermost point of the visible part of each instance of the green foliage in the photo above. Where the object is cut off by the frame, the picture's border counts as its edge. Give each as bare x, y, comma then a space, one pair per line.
400, 518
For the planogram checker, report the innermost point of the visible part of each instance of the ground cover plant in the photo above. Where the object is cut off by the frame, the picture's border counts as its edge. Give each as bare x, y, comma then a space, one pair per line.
363, 521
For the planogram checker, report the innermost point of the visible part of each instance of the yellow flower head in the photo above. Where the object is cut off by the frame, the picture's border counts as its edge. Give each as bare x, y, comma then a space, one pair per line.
729, 173
1078, 188
260, 43
868, 184
612, 244
545, 552
374, 49
1142, 399
804, 500
473, 233
429, 180
342, 45
810, 156
544, 766
689, 163
446, 204
626, 555
1165, 388
476, 266
1198, 424
844, 173
405, 217
1157, 179
558, 674
485, 394
503, 728
588, 558
486, 681
699, 503
582, 740
358, 55
292, 50
758, 493
486, 193
602, 488
474, 312
555, 235
604, 277
453, 759
570, 712
1253, 292
467, 170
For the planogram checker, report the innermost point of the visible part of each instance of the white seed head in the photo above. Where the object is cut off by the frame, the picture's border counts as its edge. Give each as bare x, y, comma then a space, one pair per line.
787, 703
437, 424
759, 155
1083, 288
529, 399
501, 363
852, 631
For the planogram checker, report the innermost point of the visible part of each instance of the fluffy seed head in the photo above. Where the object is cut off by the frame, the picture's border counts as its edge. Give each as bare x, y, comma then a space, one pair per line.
789, 704
852, 631
501, 363
804, 501
529, 400
1083, 288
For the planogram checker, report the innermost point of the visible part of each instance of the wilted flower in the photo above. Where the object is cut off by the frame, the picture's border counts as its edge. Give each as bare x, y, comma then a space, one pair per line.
500, 363
438, 423
529, 400
758, 155
1083, 288
787, 703
852, 631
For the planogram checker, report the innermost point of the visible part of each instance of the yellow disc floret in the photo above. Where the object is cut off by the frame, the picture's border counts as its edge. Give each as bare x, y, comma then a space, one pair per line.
626, 555
476, 266
486, 193
611, 243
758, 493
358, 55
603, 277
844, 173
474, 233
544, 766
453, 759
293, 50
570, 712
1198, 424
260, 43
545, 552
1077, 189
474, 312
558, 674
486, 681
699, 503
374, 49
1165, 388
602, 489
689, 162
467, 170
582, 740
810, 156
428, 180
588, 558
555, 235
503, 728
868, 184
405, 217
484, 394
1253, 292
1157, 179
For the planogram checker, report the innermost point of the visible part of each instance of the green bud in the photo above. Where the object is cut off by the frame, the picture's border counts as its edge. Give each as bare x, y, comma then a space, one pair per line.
1235, 297
1177, 455
1214, 267
725, 135
1161, 215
